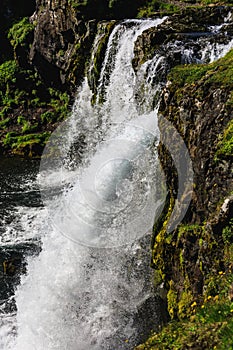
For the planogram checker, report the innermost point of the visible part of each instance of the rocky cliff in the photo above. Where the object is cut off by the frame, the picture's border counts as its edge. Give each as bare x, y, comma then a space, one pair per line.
193, 262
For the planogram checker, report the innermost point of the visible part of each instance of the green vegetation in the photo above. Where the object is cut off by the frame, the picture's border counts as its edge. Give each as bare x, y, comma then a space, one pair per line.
210, 326
50, 106
42, 108
114, 9
215, 2
30, 144
29, 110
15, 92
227, 233
152, 7
225, 146
218, 73
20, 32
205, 322
4, 122
8, 76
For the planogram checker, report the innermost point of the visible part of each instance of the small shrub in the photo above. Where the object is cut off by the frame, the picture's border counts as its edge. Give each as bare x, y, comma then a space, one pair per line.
20, 31
227, 233
4, 123
8, 73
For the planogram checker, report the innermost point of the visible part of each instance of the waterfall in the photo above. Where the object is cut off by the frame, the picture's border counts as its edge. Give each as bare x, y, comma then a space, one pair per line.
90, 284
102, 186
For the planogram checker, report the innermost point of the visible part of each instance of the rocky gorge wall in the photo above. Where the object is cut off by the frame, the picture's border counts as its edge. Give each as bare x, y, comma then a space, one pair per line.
50, 51
193, 263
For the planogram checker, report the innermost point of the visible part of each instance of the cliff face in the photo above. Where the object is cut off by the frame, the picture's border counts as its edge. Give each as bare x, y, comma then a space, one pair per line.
193, 263
202, 114
62, 43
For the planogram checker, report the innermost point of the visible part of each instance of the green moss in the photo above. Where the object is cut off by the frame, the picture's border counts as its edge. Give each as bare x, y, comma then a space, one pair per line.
9, 137
218, 73
193, 229
27, 127
206, 321
210, 325
184, 305
172, 300
39, 104
225, 146
24, 144
9, 71
78, 3
20, 32
158, 278
152, 7
227, 233
4, 123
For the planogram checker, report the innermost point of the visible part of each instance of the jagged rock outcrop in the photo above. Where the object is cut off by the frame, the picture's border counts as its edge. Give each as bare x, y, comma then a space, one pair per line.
193, 253
190, 261
62, 43
64, 34
190, 24
201, 111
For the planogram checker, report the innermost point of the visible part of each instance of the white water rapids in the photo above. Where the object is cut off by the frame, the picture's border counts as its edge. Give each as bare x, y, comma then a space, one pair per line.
91, 285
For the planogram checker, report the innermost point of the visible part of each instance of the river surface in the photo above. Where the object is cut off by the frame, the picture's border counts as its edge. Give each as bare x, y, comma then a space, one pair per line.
20, 208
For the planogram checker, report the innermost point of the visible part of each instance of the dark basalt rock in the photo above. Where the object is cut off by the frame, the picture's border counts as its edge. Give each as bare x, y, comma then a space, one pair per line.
200, 122
12, 265
61, 45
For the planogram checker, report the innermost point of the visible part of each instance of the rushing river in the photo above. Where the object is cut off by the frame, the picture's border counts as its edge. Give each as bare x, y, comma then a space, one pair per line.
20, 213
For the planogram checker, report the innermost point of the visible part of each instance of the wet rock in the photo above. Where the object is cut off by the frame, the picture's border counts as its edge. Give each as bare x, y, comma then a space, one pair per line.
189, 24
13, 265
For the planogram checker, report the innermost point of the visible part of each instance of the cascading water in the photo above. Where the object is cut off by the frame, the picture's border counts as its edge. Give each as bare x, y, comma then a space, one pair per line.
90, 287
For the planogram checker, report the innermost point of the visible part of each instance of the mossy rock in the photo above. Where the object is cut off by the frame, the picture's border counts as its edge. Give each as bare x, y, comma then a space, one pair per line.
225, 146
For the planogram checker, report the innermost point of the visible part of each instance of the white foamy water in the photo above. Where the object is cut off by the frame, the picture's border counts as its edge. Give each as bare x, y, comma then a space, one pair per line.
213, 52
